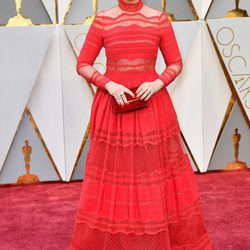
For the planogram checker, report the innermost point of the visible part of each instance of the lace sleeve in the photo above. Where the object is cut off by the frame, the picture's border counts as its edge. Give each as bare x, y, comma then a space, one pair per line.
170, 50
89, 51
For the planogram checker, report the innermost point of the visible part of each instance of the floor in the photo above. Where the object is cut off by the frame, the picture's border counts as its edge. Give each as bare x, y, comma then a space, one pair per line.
41, 216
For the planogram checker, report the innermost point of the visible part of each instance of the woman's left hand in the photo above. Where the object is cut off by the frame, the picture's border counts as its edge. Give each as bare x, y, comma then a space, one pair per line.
147, 89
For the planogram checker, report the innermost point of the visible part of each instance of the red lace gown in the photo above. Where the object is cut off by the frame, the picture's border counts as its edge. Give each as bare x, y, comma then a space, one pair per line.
139, 191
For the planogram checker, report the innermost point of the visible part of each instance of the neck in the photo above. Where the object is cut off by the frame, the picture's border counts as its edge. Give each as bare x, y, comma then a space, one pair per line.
130, 5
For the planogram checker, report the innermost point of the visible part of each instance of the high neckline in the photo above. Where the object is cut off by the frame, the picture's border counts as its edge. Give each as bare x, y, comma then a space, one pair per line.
131, 7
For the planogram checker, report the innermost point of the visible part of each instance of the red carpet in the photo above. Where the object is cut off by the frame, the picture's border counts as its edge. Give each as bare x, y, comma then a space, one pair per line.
41, 216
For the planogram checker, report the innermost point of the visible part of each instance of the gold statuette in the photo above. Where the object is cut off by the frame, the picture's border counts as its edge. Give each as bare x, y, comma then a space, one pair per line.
236, 164
90, 19
19, 20
237, 12
27, 178
164, 6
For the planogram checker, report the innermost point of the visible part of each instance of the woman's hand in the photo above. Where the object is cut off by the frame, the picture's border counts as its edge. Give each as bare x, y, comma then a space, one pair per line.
147, 89
117, 91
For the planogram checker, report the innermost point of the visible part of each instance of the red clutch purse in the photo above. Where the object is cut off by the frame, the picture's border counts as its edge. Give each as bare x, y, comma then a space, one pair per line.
133, 103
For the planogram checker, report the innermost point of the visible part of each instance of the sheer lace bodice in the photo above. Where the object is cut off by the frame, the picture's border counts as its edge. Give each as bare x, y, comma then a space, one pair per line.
131, 35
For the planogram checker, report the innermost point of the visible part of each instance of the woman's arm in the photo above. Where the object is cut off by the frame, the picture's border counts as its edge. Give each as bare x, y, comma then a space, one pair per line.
89, 51
170, 50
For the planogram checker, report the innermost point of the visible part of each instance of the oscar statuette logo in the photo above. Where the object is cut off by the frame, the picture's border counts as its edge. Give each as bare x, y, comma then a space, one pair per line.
164, 6
27, 178
236, 164
90, 19
236, 62
19, 20
237, 12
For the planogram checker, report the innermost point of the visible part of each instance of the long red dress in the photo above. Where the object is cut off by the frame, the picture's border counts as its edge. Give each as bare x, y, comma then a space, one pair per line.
139, 191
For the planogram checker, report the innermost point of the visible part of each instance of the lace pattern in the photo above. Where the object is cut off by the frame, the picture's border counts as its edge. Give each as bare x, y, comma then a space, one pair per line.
124, 64
154, 137
143, 175
127, 23
168, 43
174, 216
106, 31
87, 237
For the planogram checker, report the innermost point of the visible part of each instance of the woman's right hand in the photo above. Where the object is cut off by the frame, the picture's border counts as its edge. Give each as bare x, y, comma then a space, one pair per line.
117, 91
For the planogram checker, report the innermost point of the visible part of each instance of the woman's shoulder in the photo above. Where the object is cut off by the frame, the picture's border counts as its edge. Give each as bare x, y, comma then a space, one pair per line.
150, 11
107, 12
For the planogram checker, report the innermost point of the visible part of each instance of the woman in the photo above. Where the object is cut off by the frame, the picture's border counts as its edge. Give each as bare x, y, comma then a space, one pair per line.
139, 190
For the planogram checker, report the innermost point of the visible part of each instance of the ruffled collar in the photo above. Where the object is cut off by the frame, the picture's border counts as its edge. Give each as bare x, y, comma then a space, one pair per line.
131, 7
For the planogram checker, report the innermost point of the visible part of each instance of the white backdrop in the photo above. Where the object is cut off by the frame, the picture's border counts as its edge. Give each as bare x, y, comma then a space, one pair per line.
38, 75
